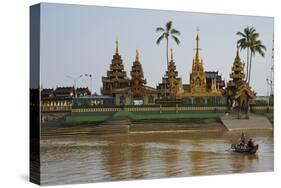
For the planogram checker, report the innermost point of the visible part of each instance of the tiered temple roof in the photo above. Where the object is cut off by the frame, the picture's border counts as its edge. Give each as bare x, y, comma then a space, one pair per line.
137, 77
171, 84
137, 85
116, 77
237, 73
238, 86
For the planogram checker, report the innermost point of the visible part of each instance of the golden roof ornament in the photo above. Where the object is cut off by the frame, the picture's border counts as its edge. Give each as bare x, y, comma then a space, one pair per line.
116, 50
197, 45
237, 58
137, 55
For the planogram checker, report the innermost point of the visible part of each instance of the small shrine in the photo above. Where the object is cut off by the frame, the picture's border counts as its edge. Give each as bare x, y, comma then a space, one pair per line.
238, 90
171, 86
137, 79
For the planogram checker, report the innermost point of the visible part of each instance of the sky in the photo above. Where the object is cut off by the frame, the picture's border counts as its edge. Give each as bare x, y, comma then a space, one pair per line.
77, 40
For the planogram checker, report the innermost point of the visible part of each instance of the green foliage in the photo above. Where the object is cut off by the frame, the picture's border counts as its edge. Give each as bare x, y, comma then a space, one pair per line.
252, 44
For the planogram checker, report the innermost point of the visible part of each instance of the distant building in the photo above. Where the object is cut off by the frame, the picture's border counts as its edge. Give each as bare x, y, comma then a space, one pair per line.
264, 100
61, 98
47, 93
83, 91
214, 75
65, 92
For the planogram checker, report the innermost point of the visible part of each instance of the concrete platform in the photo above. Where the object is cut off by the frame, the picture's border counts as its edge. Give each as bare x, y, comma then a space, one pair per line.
255, 122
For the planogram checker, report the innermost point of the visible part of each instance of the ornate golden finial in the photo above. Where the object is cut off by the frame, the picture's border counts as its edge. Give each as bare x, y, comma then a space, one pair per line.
172, 56
116, 42
137, 55
237, 58
197, 44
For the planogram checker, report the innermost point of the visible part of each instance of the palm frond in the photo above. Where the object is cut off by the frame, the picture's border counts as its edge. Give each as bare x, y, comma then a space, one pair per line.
260, 51
160, 39
176, 39
254, 35
257, 46
175, 32
241, 34
168, 25
160, 29
242, 43
252, 30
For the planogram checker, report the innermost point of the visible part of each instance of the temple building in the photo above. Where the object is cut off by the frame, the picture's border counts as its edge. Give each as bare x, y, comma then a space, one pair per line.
136, 93
204, 87
171, 86
214, 75
116, 77
238, 90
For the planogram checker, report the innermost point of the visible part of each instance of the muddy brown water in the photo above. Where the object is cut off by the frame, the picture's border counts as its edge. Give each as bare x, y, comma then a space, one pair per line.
96, 158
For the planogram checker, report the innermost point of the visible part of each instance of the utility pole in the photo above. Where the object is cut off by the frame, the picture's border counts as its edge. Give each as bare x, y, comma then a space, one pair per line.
74, 81
91, 79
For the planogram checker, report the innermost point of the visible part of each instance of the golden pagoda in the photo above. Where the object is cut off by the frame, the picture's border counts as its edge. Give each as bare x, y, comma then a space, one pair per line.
116, 77
137, 78
238, 90
197, 76
137, 92
198, 88
171, 85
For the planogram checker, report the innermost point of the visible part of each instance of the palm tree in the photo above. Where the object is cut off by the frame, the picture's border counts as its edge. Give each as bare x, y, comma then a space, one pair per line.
244, 43
256, 46
167, 32
250, 42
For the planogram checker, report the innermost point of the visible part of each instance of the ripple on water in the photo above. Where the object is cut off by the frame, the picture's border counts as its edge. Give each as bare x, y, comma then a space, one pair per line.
137, 156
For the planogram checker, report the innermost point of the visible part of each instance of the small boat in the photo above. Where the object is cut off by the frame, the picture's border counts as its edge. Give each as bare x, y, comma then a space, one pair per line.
244, 149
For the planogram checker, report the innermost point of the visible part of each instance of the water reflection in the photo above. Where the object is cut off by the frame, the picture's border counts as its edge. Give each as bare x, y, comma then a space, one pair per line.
141, 156
171, 158
241, 163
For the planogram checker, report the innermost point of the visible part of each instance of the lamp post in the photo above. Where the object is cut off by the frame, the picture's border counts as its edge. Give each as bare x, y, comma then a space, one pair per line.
74, 81
91, 79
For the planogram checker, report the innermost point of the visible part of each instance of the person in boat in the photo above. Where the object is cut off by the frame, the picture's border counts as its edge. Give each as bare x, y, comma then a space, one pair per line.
242, 139
250, 143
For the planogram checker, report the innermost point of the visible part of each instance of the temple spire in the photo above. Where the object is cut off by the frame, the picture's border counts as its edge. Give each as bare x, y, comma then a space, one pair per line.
116, 50
197, 45
172, 56
237, 58
137, 55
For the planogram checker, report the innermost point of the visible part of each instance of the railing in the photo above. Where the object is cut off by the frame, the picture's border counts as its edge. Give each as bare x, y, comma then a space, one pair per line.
259, 108
56, 109
159, 109
148, 108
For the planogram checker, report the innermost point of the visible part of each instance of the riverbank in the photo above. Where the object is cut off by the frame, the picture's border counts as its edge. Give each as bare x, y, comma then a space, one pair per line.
128, 122
86, 118
135, 122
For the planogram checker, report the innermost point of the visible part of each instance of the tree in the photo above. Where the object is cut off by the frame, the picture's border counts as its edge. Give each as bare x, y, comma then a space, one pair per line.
250, 42
256, 46
244, 43
168, 32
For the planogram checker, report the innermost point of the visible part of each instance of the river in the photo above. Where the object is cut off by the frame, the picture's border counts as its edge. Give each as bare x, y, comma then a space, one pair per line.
96, 158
